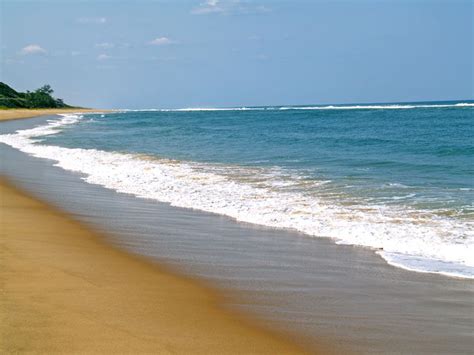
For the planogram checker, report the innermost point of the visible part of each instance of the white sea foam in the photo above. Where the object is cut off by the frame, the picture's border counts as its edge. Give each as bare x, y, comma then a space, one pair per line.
409, 238
197, 109
375, 107
327, 107
427, 265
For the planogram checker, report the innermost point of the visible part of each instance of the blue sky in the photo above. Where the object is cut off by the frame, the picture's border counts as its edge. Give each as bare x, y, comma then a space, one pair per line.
145, 54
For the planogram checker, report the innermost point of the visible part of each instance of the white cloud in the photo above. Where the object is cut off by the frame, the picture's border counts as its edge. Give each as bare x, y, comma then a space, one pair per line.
105, 45
33, 49
207, 7
161, 41
94, 20
103, 56
228, 7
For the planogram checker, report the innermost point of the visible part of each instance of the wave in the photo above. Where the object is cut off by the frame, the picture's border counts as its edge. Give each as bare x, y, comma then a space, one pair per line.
427, 265
197, 109
267, 196
328, 107
375, 107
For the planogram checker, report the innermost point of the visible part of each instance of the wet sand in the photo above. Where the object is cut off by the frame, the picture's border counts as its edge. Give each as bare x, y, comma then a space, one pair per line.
65, 290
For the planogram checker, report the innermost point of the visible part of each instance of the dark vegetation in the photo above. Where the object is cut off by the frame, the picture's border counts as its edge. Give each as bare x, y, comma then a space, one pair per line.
40, 98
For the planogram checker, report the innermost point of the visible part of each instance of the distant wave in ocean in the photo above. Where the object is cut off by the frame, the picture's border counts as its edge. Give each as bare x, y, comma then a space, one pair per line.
327, 107
413, 239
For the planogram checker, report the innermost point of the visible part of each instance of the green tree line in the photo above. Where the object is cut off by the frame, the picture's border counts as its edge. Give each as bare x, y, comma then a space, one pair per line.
39, 98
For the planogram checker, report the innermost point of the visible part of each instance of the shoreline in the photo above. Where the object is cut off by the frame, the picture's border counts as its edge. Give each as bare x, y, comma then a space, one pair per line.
415, 257
317, 292
15, 114
72, 291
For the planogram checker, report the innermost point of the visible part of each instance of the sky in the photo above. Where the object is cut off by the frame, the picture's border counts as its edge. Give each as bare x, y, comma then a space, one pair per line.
217, 53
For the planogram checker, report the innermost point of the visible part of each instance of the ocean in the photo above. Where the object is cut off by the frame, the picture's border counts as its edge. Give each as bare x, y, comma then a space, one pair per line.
396, 178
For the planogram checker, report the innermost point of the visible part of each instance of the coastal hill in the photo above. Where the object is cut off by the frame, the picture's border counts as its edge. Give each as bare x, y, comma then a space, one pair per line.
40, 98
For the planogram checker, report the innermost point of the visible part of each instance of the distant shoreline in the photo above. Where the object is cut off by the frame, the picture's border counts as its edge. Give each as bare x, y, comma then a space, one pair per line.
15, 114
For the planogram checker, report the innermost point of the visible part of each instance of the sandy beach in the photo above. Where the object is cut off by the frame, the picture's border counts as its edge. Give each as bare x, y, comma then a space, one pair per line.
14, 114
64, 290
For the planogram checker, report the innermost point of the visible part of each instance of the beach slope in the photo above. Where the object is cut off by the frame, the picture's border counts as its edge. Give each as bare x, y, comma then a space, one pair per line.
14, 114
63, 289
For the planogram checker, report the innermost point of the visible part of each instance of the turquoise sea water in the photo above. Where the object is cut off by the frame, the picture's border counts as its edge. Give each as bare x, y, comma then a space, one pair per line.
394, 177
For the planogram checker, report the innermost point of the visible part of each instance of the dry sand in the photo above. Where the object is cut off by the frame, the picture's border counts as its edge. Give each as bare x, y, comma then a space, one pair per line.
65, 290
13, 114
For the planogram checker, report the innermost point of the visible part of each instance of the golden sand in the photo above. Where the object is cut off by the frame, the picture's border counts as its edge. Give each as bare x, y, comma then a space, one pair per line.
65, 290
13, 114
